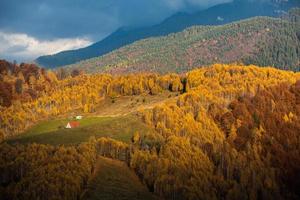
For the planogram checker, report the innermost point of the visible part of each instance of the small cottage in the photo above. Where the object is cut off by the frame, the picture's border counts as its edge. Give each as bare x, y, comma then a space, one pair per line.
78, 117
72, 124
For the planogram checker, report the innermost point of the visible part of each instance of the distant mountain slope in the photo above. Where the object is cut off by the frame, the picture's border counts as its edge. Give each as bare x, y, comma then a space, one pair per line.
220, 14
262, 41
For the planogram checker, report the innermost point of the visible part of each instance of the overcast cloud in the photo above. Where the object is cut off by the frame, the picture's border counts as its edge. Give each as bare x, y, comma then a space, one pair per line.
25, 48
31, 28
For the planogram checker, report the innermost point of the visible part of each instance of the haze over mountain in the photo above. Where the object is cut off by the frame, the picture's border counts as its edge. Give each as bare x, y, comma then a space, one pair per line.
216, 15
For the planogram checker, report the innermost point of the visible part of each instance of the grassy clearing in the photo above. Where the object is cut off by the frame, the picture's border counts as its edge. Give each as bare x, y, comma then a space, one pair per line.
119, 127
114, 180
130, 104
55, 125
113, 118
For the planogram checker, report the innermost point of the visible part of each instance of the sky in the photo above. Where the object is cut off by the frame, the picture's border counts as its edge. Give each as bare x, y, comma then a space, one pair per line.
31, 28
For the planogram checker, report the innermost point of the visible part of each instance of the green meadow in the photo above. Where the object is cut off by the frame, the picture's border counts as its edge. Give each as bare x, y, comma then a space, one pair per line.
54, 132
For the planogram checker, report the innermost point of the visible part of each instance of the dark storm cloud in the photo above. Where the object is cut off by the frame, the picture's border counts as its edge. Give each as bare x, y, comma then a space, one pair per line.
91, 18
30, 28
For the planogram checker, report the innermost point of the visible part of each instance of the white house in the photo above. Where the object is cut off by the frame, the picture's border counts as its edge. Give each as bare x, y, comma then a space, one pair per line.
78, 117
68, 125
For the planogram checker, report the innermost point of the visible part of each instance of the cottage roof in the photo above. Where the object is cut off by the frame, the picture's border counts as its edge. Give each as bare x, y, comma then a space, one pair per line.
74, 124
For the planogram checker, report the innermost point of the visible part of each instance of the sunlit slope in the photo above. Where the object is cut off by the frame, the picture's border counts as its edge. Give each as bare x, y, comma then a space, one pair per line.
85, 94
121, 128
96, 94
235, 132
114, 118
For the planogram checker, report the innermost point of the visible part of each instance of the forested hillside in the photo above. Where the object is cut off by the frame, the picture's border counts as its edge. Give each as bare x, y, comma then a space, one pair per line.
23, 82
231, 134
216, 15
262, 41
81, 92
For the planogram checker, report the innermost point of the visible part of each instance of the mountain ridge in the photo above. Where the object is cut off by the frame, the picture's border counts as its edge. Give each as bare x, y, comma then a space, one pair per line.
175, 23
262, 41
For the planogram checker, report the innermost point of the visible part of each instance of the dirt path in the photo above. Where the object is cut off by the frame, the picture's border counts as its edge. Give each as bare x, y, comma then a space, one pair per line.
114, 180
130, 104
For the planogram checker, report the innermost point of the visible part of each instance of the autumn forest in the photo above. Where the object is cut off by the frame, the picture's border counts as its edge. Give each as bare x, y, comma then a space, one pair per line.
167, 100
230, 132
